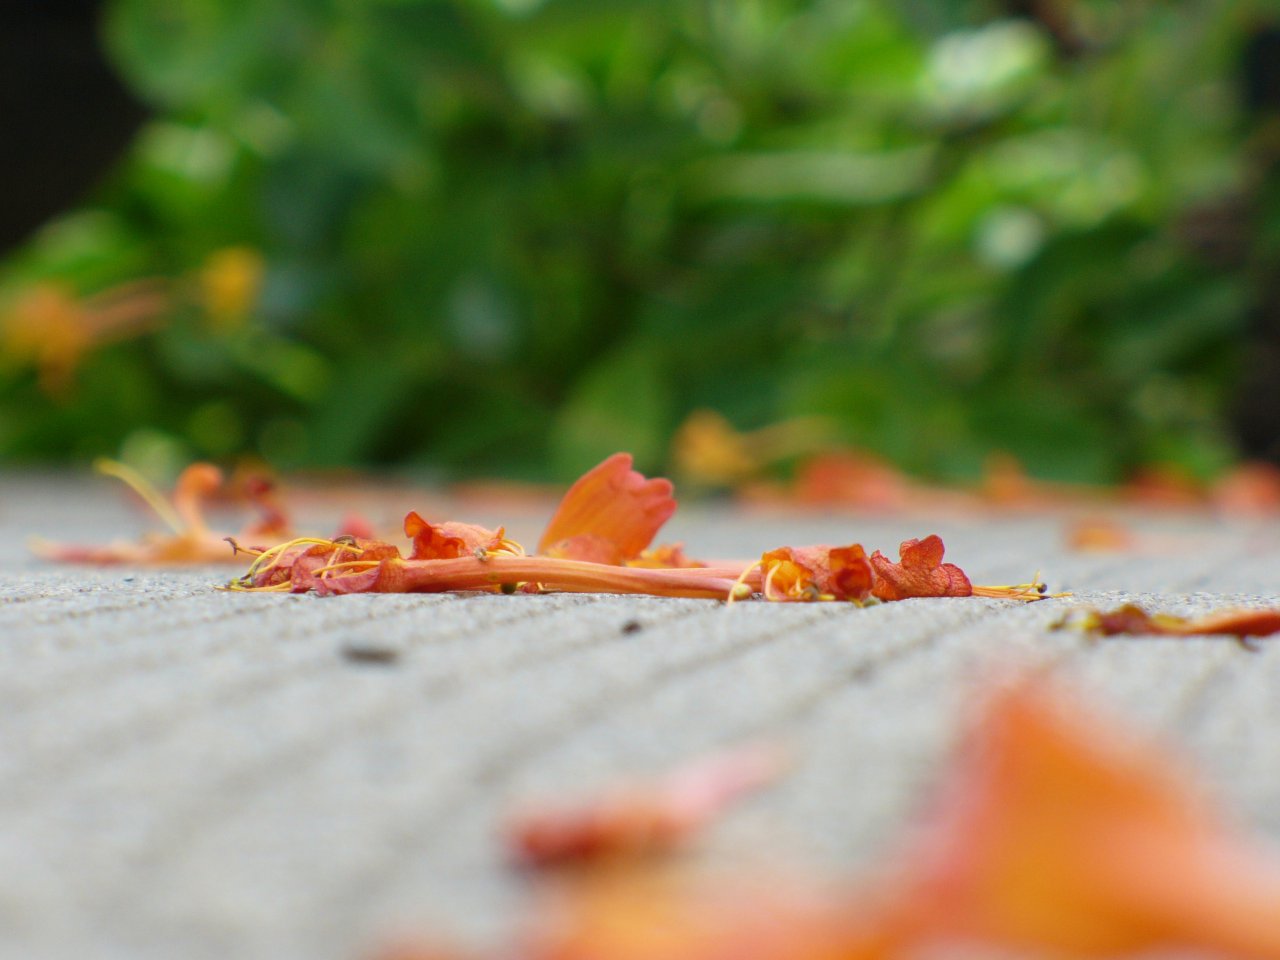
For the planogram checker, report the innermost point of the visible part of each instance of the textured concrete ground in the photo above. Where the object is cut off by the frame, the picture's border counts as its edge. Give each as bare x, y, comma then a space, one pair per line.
195, 774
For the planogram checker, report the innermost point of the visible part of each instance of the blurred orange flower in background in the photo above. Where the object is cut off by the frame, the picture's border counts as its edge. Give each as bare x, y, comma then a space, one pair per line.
51, 328
230, 283
707, 451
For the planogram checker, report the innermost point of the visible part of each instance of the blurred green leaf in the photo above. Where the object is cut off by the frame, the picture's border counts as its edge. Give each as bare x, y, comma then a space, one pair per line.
622, 403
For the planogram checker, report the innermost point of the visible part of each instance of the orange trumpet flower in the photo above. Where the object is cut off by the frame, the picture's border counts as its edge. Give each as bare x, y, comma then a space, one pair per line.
190, 541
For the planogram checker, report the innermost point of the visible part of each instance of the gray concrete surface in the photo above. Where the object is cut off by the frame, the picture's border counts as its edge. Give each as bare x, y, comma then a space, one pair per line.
192, 774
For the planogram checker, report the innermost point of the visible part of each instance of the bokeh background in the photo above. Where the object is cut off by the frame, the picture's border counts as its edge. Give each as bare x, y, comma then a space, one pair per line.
507, 237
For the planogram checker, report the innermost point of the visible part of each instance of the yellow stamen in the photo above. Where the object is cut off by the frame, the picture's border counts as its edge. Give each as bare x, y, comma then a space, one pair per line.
506, 548
740, 590
143, 488
1026, 592
349, 564
768, 582
798, 590
242, 586
268, 559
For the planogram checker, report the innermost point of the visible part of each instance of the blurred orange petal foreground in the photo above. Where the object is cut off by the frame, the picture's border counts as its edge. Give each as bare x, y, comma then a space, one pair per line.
597, 541
190, 541
649, 914
1051, 837
643, 818
1057, 835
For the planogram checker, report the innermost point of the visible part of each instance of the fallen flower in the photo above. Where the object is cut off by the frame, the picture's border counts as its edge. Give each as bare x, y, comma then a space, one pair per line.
474, 558
190, 540
598, 541
644, 818
1132, 619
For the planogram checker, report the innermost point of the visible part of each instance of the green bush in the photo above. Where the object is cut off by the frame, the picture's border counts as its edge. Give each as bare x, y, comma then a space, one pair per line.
511, 236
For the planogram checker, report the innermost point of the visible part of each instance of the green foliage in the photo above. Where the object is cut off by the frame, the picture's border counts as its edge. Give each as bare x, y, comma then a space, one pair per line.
512, 235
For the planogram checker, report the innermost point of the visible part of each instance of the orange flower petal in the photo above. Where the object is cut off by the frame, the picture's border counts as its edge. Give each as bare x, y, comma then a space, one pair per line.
920, 572
445, 541
609, 515
850, 571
